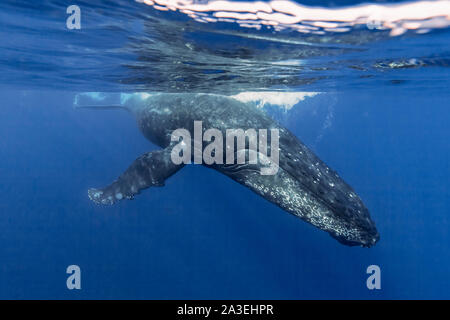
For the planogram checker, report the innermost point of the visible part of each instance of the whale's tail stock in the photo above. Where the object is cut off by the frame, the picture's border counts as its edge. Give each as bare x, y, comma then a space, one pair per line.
101, 107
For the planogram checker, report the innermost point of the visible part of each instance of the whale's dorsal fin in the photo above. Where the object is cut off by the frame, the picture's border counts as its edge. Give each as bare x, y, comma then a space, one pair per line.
150, 169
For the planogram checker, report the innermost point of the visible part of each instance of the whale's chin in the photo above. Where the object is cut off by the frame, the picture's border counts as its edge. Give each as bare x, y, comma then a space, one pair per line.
366, 242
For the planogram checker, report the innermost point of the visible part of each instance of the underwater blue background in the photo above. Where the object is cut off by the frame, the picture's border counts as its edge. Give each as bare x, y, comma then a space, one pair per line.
202, 235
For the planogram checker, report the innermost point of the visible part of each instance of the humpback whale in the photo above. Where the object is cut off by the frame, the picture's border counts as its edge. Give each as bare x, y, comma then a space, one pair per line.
303, 185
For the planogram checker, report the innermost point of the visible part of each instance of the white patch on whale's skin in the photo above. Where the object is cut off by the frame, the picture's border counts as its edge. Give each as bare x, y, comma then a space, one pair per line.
99, 96
97, 194
107, 99
161, 112
95, 96
124, 97
285, 100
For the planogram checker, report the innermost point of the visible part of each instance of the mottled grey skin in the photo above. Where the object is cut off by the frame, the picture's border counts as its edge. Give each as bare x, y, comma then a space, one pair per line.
304, 185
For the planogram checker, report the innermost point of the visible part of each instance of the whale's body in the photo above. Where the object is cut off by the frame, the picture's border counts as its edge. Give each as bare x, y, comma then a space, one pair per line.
303, 185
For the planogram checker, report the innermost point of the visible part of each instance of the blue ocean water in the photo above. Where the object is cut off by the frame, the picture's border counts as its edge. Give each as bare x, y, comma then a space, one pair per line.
380, 120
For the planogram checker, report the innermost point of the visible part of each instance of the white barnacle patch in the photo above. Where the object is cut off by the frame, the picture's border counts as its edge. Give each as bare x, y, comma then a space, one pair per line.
97, 194
119, 196
284, 100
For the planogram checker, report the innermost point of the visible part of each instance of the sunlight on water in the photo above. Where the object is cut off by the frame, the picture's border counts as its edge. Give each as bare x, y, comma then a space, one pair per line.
420, 16
205, 46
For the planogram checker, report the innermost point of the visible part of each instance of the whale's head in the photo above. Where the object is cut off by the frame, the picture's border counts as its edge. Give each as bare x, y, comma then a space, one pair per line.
347, 219
317, 194
359, 228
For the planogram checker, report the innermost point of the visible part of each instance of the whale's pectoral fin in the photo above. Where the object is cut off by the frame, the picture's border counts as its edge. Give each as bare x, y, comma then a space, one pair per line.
150, 169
